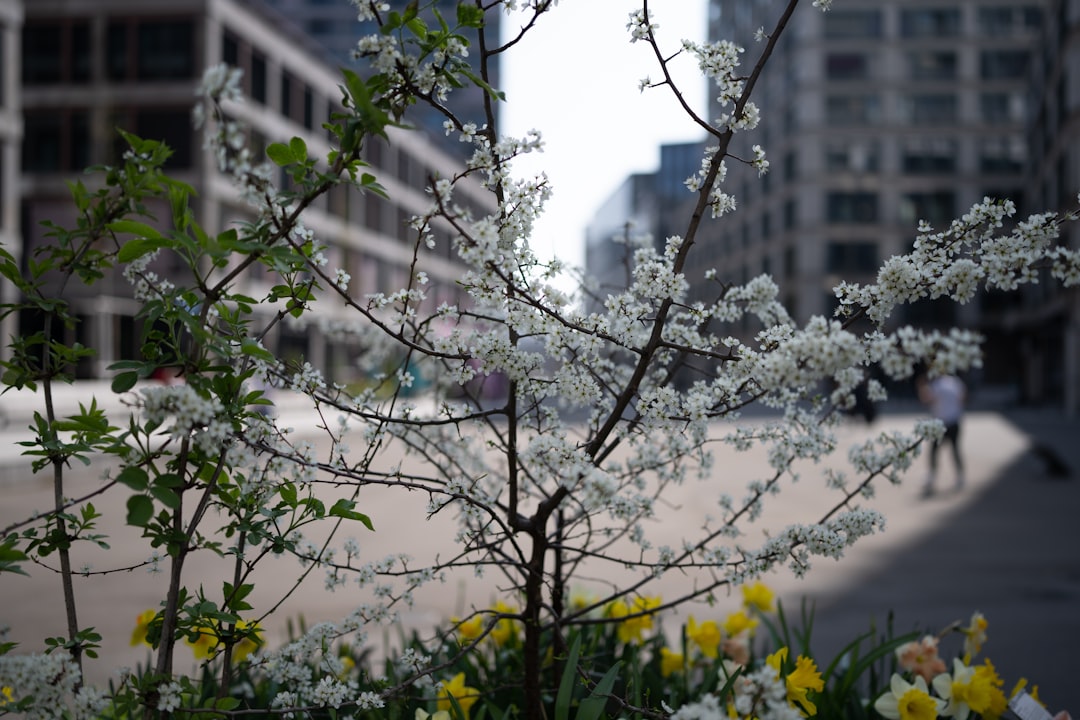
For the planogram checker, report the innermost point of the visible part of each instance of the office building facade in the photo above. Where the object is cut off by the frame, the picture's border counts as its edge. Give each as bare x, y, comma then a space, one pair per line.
90, 67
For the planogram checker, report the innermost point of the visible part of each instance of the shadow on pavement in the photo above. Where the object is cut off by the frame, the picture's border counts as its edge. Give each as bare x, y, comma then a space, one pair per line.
1012, 554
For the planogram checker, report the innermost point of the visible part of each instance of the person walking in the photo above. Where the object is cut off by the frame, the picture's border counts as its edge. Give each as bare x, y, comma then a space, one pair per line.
945, 395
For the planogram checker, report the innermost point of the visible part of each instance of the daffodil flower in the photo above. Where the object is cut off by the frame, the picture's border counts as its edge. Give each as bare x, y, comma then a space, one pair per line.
908, 701
758, 596
921, 658
803, 678
469, 630
7, 695
463, 694
965, 691
739, 622
706, 636
671, 662
974, 635
142, 624
633, 628
505, 629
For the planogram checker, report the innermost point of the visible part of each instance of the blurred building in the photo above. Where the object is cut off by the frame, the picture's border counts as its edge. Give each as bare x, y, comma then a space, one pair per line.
878, 114
1045, 329
89, 67
644, 205
333, 25
10, 141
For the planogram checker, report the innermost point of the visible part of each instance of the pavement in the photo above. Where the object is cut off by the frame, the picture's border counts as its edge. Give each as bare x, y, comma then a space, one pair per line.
1007, 545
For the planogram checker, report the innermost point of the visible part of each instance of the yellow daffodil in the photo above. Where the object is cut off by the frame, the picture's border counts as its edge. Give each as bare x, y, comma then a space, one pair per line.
505, 629
706, 636
974, 635
908, 701
469, 630
142, 624
457, 689
998, 702
208, 643
758, 597
921, 658
965, 691
204, 644
249, 643
670, 662
1021, 684
347, 666
803, 678
7, 695
638, 618
739, 622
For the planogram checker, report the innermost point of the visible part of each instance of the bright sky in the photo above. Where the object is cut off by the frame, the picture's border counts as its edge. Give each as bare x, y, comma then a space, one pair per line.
575, 78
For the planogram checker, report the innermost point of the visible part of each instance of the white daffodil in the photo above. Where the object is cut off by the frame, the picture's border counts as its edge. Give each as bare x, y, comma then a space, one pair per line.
910, 701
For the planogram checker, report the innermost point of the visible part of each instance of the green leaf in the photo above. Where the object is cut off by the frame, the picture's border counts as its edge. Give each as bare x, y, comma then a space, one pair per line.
344, 509
134, 227
166, 497
124, 381
469, 15
136, 248
134, 477
592, 706
298, 148
280, 154
140, 510
567, 682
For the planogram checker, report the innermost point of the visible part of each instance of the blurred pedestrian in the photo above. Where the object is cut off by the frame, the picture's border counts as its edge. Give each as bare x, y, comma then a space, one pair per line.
945, 395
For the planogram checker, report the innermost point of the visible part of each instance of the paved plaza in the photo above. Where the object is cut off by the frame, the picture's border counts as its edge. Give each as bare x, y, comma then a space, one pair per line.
1007, 545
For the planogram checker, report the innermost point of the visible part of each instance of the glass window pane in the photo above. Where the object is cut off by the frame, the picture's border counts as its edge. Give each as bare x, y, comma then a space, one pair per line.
166, 50
42, 53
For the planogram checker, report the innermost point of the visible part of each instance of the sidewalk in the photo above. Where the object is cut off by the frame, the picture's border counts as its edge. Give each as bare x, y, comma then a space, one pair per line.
1012, 553
1006, 546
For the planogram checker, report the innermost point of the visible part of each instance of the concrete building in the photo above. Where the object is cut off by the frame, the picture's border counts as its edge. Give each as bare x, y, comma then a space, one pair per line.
333, 26
1045, 329
874, 115
10, 142
645, 204
89, 67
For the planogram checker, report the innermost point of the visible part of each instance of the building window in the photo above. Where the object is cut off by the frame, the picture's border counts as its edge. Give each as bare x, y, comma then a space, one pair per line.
308, 109
1006, 21
930, 22
790, 165
258, 77
230, 49
1001, 108
1002, 155
790, 214
851, 258
932, 65
846, 66
936, 109
851, 207
929, 156
1004, 64
56, 52
852, 24
56, 140
937, 208
856, 157
852, 109
286, 94
149, 50
171, 126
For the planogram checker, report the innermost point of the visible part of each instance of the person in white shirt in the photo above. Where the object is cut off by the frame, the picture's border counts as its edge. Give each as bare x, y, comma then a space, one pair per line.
945, 395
